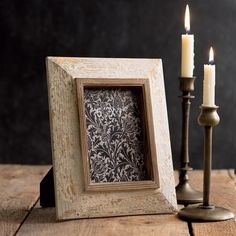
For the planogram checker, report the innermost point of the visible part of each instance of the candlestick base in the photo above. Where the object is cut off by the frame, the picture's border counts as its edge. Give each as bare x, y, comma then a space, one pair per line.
186, 194
200, 213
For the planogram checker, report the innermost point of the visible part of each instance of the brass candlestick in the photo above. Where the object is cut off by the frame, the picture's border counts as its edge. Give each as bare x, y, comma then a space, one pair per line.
185, 193
206, 212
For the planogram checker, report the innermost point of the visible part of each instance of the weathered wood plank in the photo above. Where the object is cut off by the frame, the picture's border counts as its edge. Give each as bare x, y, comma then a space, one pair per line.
43, 222
19, 191
223, 193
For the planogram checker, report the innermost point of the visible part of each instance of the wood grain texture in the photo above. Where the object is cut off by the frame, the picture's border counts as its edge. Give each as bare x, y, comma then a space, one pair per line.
20, 183
19, 191
223, 193
43, 222
71, 200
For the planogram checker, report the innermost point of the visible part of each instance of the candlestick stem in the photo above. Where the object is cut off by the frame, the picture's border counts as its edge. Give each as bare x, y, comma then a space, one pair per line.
207, 165
185, 129
184, 191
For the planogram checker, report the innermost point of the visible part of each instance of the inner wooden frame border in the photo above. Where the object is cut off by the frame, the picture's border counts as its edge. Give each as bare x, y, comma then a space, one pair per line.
83, 83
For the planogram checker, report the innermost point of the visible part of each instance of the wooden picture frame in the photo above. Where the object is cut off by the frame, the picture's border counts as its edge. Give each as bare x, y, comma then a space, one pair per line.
76, 196
148, 136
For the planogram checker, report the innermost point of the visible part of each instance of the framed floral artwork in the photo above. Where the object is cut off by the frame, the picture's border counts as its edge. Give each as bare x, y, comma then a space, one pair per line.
110, 137
116, 124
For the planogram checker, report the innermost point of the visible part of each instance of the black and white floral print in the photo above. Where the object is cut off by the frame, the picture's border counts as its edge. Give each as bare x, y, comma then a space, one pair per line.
114, 134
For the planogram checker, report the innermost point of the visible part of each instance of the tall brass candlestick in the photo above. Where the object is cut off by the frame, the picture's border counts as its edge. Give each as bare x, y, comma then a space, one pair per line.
184, 191
206, 212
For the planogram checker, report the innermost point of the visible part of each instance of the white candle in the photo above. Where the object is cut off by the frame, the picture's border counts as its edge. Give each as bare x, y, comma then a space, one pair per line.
209, 81
187, 63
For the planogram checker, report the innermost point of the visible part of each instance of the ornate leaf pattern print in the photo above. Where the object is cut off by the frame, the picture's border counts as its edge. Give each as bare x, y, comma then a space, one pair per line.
115, 136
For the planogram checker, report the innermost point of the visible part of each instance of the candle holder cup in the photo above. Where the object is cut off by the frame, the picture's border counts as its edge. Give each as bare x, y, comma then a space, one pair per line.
206, 212
185, 193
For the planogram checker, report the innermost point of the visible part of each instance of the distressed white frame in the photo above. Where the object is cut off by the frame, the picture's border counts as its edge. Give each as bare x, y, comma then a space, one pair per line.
72, 201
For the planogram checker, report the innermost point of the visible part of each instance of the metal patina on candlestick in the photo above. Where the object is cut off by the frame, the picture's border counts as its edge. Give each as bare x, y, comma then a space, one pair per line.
206, 212
184, 191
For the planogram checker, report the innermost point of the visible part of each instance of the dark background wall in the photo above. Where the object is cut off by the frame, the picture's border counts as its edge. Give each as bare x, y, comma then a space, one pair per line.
34, 29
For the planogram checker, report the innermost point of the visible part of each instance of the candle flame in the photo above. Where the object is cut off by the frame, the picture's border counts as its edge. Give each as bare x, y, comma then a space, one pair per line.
211, 56
187, 19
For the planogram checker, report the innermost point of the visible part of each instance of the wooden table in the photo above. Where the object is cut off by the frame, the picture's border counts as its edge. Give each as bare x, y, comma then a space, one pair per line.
20, 213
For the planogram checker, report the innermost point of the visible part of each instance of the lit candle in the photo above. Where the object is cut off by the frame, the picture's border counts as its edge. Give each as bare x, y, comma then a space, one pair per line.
209, 81
187, 64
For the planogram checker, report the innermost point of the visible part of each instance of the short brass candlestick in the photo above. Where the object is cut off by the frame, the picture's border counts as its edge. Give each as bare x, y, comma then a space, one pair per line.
206, 212
185, 193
